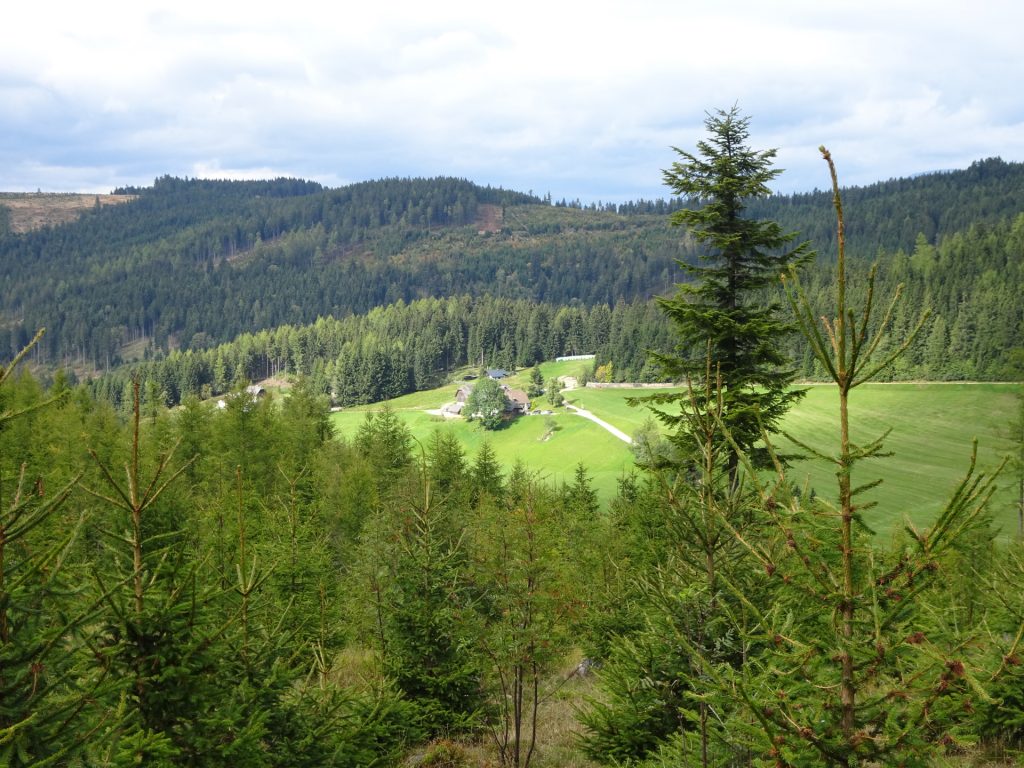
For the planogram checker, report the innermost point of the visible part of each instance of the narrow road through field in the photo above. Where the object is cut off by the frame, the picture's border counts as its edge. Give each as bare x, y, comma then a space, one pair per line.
602, 423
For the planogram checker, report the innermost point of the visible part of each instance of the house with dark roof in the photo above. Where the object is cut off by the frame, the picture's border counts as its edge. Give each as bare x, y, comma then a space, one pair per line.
518, 401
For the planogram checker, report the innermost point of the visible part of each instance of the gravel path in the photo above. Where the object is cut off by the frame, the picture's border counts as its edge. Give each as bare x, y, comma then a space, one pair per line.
602, 423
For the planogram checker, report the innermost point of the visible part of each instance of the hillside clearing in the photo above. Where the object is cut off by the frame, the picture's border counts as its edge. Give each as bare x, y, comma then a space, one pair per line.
36, 210
932, 424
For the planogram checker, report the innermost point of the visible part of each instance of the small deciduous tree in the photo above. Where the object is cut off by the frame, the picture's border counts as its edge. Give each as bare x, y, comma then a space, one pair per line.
487, 403
520, 556
555, 396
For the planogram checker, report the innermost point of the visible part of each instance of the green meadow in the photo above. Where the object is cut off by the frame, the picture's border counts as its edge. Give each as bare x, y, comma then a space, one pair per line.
553, 453
933, 425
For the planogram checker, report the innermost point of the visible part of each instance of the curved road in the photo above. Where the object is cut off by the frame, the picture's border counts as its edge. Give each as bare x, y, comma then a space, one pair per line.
601, 422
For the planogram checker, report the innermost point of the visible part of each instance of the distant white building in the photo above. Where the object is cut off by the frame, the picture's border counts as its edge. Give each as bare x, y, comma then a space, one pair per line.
566, 358
254, 391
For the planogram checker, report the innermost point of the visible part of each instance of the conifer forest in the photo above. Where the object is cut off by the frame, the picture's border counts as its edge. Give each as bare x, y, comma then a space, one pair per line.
198, 567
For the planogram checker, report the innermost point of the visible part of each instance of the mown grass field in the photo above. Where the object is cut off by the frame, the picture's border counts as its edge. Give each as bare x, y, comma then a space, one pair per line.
554, 456
933, 425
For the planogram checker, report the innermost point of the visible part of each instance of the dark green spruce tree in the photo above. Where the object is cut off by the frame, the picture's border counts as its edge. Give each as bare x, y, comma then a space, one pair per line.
857, 663
46, 699
720, 317
730, 355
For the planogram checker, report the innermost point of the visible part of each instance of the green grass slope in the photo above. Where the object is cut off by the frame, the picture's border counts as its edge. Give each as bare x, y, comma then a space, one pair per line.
932, 425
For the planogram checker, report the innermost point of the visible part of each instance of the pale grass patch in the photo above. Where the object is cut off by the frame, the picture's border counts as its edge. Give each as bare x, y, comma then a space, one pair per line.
558, 732
33, 211
357, 669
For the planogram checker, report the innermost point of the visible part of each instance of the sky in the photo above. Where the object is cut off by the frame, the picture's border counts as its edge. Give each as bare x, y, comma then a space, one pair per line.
579, 100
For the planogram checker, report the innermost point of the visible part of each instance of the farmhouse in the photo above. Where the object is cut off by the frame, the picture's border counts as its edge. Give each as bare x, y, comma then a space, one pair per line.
452, 409
253, 393
516, 400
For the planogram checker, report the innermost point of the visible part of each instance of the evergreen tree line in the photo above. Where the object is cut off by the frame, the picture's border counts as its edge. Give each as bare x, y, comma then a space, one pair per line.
233, 587
160, 265
194, 263
971, 282
403, 348
888, 216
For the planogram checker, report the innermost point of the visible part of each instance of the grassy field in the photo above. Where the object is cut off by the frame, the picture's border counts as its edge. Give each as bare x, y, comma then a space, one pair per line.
932, 429
554, 454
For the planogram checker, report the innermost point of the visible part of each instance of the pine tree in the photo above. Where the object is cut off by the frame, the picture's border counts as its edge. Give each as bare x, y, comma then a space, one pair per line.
447, 464
385, 442
536, 383
46, 692
580, 498
485, 476
721, 316
160, 635
738, 382
428, 619
853, 669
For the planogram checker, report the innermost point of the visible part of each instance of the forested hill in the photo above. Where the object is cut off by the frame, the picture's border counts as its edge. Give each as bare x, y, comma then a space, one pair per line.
193, 263
889, 215
215, 258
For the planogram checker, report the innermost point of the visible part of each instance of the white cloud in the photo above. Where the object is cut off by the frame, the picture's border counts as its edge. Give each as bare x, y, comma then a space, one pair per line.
582, 100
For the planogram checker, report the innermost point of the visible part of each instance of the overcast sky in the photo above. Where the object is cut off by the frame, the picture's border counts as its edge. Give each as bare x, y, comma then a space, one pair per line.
579, 99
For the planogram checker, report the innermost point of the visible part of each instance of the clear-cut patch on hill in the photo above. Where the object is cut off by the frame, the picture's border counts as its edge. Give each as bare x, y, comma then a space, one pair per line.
35, 210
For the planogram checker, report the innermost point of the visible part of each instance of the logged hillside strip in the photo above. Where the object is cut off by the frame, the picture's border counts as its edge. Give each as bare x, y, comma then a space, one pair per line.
30, 211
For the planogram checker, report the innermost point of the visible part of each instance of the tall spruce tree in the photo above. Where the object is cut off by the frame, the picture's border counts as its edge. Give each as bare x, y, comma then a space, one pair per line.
729, 353
855, 665
721, 317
